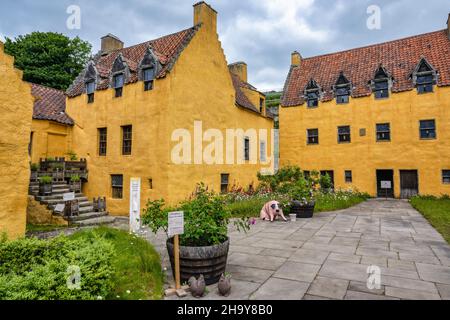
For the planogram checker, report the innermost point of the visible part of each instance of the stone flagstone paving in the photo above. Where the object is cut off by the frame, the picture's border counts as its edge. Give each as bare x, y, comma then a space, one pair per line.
327, 257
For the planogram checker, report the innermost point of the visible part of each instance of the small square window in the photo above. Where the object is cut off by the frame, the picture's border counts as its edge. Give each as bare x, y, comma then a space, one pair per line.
90, 89
446, 176
348, 176
427, 129
425, 83
312, 99
381, 89
383, 132
313, 136
148, 75
117, 186
224, 182
344, 135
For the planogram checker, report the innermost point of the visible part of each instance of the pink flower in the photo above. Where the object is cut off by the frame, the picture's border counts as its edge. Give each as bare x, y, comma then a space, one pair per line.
252, 221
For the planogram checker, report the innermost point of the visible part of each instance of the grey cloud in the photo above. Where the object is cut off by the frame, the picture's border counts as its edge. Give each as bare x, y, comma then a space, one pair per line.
262, 33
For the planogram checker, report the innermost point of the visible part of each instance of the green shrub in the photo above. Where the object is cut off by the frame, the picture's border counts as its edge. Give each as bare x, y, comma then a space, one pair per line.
34, 167
38, 269
206, 218
72, 155
45, 180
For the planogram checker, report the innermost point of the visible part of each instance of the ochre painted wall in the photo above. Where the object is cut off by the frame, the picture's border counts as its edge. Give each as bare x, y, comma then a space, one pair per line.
16, 107
199, 87
50, 139
364, 155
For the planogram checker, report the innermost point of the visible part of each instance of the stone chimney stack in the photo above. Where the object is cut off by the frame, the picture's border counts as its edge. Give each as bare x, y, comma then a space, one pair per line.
296, 58
239, 69
448, 26
205, 14
110, 43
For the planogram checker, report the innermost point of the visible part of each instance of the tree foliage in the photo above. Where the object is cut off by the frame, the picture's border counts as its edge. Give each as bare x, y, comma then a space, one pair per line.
48, 58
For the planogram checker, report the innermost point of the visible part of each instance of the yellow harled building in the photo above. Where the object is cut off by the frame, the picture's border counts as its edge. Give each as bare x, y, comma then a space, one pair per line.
375, 118
160, 111
16, 107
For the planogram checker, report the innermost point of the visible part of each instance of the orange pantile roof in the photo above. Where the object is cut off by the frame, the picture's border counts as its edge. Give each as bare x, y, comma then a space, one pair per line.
49, 104
398, 57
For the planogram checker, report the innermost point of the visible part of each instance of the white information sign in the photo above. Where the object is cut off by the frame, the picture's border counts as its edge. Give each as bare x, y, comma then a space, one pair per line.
176, 223
386, 185
60, 207
135, 204
69, 196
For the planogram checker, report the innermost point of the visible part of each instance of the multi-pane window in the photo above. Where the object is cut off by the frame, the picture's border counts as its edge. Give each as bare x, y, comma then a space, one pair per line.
224, 182
446, 176
118, 84
342, 95
148, 75
383, 132
344, 134
425, 83
246, 148
312, 99
348, 176
427, 129
102, 141
261, 105
313, 136
127, 138
117, 186
262, 151
90, 90
381, 89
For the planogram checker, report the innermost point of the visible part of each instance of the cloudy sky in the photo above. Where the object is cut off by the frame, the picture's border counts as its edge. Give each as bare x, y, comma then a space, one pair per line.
262, 33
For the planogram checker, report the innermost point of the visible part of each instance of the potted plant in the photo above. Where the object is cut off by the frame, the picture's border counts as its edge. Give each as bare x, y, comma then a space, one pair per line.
302, 200
205, 243
45, 185
75, 183
72, 156
34, 167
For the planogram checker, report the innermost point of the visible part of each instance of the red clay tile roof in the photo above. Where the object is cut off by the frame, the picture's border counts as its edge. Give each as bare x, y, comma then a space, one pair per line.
167, 49
398, 57
241, 98
49, 104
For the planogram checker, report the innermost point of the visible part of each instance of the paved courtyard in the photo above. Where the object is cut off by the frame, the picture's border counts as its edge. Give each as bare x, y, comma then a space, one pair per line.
327, 257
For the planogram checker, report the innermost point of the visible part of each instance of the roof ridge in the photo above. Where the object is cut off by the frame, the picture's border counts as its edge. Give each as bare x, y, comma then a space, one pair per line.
46, 87
161, 37
375, 44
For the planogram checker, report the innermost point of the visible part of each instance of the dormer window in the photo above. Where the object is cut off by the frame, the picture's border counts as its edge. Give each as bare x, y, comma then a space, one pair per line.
342, 89
148, 76
424, 77
381, 83
118, 84
312, 94
90, 91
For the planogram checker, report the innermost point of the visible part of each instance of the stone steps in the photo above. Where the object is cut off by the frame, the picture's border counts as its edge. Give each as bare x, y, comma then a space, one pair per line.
87, 216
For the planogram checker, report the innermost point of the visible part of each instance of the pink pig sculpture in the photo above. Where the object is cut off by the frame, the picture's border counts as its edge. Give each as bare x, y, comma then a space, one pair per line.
271, 210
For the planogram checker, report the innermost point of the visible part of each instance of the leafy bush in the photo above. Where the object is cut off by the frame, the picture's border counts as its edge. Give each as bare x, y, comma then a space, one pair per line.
38, 269
72, 155
206, 218
285, 175
45, 180
34, 167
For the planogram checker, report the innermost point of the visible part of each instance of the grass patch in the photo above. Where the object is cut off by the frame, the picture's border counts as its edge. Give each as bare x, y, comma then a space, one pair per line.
436, 211
137, 265
43, 228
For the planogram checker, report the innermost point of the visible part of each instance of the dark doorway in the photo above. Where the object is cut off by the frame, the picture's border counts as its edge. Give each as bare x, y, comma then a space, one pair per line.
409, 183
385, 183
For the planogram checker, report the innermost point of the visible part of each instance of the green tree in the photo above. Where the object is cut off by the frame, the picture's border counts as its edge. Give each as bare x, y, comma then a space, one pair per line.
48, 58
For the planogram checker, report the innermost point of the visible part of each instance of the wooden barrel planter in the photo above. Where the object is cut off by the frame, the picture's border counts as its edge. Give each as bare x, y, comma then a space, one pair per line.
301, 210
209, 261
45, 189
